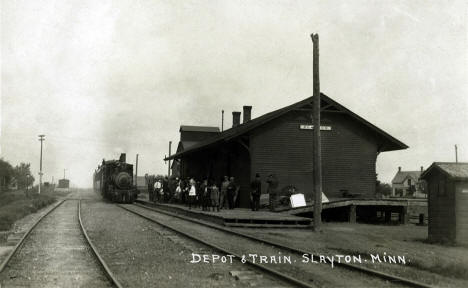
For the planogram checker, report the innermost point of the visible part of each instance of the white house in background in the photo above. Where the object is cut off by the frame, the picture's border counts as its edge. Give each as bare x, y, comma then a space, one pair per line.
408, 184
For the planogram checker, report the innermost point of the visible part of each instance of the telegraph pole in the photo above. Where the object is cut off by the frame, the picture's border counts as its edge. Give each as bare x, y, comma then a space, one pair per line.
169, 162
41, 138
222, 120
456, 153
317, 143
64, 173
136, 171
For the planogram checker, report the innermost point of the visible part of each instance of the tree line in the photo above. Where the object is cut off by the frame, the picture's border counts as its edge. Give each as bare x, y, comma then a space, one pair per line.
19, 175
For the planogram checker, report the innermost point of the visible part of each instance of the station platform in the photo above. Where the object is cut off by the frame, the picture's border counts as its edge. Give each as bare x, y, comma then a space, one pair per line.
403, 207
238, 217
341, 202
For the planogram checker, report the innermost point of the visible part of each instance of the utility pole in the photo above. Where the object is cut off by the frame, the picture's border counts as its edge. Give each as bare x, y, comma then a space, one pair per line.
222, 120
136, 171
317, 143
64, 173
41, 138
456, 153
169, 162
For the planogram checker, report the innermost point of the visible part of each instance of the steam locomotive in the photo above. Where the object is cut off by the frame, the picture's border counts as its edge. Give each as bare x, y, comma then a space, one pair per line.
114, 180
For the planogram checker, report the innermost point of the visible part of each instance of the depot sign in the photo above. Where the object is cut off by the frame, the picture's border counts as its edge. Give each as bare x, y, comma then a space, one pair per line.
311, 127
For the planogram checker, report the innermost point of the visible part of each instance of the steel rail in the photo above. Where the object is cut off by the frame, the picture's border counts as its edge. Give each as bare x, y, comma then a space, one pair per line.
101, 261
21, 241
368, 271
273, 272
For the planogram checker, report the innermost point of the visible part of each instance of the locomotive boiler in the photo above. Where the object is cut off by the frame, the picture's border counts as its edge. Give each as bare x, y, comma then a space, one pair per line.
114, 180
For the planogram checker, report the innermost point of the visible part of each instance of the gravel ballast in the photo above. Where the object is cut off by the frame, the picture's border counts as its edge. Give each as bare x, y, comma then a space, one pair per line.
317, 274
143, 254
55, 254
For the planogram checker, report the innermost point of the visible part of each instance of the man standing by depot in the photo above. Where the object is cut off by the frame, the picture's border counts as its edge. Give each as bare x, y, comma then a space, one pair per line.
272, 190
223, 192
231, 193
256, 190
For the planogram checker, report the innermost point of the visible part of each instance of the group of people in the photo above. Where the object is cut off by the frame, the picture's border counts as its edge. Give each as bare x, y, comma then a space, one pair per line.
208, 194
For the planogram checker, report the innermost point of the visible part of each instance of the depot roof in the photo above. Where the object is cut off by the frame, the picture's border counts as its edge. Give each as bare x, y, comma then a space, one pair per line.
390, 144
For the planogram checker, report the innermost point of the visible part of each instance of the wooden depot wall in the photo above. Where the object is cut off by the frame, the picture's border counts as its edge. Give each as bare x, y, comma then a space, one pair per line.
349, 153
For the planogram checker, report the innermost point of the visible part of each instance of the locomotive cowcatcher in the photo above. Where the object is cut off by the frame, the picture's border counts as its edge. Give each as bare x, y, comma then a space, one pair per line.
114, 180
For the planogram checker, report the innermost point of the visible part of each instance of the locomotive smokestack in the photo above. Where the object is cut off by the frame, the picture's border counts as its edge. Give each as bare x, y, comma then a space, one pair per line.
123, 158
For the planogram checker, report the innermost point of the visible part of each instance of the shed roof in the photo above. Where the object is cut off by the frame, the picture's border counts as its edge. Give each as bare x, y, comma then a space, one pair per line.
185, 145
391, 142
401, 176
188, 128
457, 171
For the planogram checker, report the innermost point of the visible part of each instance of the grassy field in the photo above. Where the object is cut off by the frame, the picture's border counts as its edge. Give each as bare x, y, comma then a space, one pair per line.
14, 205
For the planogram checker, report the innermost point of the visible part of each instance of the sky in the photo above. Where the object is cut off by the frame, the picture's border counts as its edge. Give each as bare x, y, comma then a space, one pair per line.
99, 78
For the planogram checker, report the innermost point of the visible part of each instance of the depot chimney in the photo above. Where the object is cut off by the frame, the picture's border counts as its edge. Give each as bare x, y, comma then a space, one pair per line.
123, 158
236, 118
422, 169
399, 168
247, 113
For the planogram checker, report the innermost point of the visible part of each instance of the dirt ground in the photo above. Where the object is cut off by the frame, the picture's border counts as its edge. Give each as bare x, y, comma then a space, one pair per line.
423, 260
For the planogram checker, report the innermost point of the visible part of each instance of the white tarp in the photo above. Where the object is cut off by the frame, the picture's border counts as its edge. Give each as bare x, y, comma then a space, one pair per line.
324, 198
298, 200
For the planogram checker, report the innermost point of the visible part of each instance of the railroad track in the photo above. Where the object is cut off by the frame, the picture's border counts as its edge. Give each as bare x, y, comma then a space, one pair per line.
275, 274
55, 252
364, 270
284, 275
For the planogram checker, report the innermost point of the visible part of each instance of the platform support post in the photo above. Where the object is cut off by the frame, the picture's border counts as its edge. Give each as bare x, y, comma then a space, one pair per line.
352, 214
403, 215
388, 215
421, 219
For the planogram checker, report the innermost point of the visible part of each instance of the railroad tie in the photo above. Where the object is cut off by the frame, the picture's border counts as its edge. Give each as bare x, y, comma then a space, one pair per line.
245, 275
14, 238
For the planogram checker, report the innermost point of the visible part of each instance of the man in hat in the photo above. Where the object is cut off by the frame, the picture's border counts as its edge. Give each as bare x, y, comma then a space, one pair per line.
272, 190
256, 190
231, 193
223, 192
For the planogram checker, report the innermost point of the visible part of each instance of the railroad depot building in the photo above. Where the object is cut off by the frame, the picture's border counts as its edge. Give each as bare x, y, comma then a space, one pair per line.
281, 143
447, 185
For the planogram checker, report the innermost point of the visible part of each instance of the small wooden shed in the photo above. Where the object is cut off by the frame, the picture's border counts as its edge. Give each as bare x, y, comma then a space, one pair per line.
447, 185
63, 183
